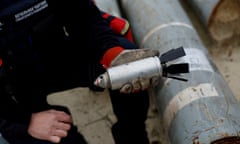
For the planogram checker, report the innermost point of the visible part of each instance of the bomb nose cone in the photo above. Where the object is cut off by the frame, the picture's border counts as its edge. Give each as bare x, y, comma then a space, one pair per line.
102, 81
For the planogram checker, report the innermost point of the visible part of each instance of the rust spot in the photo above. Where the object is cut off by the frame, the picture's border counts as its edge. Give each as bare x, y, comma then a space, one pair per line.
196, 140
194, 89
228, 140
221, 120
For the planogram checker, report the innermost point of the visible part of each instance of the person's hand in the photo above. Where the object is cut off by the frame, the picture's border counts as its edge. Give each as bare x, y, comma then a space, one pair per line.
119, 25
51, 125
118, 56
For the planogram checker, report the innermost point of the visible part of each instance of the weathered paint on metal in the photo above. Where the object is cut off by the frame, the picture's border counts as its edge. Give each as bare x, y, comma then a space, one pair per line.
110, 6
204, 8
202, 110
220, 17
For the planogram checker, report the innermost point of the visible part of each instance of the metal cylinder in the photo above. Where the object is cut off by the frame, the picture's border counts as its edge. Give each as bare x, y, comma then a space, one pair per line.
221, 17
204, 9
110, 6
202, 110
127, 73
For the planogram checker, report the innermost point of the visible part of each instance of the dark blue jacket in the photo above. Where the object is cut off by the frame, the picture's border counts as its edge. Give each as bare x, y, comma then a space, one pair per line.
46, 46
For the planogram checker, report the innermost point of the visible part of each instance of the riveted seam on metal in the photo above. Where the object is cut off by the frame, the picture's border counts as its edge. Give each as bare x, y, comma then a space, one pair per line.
159, 27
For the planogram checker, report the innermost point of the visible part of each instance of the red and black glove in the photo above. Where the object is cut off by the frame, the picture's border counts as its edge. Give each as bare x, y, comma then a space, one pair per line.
110, 55
119, 26
1, 62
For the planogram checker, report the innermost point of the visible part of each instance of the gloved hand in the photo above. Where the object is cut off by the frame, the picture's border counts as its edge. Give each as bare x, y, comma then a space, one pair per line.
117, 56
119, 26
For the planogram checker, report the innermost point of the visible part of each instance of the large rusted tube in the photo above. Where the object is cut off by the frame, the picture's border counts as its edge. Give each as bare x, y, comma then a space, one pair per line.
202, 110
221, 17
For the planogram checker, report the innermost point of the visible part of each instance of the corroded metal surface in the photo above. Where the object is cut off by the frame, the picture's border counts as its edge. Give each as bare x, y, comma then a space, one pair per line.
228, 140
221, 17
204, 8
202, 110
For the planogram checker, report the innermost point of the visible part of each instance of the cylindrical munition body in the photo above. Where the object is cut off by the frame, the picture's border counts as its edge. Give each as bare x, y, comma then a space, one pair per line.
117, 76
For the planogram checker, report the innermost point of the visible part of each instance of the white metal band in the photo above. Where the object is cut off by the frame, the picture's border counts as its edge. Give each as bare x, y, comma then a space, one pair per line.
159, 27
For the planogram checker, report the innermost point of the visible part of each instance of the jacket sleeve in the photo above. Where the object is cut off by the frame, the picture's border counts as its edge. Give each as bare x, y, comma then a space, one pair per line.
10, 127
103, 35
12, 131
84, 23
